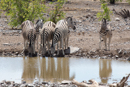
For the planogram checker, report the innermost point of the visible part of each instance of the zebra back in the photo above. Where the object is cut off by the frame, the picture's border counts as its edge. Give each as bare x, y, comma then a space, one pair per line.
26, 27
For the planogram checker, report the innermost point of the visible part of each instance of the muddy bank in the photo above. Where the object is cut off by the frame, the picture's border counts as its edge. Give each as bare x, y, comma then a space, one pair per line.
11, 44
114, 54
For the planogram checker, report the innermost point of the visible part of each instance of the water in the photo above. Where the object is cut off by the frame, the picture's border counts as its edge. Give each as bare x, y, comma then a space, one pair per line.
58, 69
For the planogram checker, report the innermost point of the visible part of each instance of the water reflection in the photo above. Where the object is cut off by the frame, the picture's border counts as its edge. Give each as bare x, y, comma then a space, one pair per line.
105, 70
58, 69
48, 69
30, 69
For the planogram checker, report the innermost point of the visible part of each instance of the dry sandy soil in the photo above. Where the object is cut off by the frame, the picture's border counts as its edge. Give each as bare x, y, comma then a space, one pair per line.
86, 36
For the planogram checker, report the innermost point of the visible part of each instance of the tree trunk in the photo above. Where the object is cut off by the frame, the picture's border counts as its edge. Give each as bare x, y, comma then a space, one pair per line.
112, 1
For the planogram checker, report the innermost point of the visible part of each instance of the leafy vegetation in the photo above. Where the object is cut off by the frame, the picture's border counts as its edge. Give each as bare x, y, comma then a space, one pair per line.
21, 10
105, 14
57, 13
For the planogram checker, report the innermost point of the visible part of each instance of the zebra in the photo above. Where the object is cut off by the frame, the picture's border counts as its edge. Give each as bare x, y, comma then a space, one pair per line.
105, 34
38, 25
61, 34
46, 35
29, 36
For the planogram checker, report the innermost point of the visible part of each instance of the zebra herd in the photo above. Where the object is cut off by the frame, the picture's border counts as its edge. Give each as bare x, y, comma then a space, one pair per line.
57, 33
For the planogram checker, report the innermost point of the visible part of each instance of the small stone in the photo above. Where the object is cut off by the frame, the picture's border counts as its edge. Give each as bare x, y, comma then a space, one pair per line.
30, 85
44, 82
116, 56
117, 19
6, 44
66, 82
23, 82
128, 59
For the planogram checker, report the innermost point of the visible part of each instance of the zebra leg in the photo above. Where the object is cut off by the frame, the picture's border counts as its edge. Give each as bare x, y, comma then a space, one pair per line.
34, 48
109, 43
24, 44
67, 41
105, 42
57, 48
62, 46
100, 43
37, 41
40, 50
48, 47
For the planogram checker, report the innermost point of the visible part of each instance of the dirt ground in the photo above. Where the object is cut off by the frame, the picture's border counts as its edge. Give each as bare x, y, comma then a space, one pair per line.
86, 36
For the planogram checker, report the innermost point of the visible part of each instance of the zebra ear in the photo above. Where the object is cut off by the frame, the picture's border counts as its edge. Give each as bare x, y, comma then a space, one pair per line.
69, 18
22, 24
37, 21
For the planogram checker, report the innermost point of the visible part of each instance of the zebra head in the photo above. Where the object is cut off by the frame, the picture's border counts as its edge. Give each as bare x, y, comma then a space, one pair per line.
70, 22
39, 24
104, 23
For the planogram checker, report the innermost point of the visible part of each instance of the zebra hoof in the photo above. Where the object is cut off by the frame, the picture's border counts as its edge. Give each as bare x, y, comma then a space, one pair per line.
60, 55
32, 55
25, 52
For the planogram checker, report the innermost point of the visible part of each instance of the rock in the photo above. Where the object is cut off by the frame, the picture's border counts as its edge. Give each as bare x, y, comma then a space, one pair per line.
6, 44
128, 59
45, 83
66, 82
23, 82
71, 50
30, 85
117, 19
116, 56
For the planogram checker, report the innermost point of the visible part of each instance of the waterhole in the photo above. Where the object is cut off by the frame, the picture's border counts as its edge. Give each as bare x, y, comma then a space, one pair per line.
59, 69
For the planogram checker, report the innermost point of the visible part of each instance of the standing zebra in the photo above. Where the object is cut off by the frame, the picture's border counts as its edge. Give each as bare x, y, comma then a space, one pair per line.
46, 35
39, 24
61, 34
29, 36
105, 33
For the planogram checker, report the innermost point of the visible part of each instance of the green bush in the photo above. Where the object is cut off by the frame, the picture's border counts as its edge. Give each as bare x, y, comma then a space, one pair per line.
57, 14
21, 10
128, 1
105, 14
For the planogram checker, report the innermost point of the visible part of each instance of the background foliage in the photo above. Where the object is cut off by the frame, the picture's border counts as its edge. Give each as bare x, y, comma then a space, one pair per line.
105, 14
57, 14
21, 10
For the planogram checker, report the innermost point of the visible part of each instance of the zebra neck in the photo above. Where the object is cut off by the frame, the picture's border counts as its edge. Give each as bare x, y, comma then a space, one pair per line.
37, 28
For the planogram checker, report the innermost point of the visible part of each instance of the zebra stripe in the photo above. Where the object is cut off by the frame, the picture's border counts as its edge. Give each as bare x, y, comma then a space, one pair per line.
61, 34
105, 34
47, 35
29, 35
